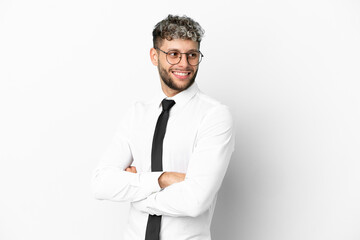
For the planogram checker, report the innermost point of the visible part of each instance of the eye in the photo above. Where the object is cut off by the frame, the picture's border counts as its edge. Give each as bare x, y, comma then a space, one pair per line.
193, 55
173, 54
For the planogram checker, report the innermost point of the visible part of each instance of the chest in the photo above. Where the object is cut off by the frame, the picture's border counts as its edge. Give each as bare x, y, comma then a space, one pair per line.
178, 144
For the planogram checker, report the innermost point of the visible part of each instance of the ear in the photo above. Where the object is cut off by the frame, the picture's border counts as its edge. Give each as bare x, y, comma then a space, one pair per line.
154, 56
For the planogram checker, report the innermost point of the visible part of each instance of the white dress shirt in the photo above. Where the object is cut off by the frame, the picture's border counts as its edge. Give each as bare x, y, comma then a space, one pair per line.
199, 141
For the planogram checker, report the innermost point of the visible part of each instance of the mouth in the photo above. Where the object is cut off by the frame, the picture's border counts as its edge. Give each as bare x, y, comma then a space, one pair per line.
181, 74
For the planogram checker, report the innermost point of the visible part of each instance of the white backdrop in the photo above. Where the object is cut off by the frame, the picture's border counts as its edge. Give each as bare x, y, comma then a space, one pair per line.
289, 70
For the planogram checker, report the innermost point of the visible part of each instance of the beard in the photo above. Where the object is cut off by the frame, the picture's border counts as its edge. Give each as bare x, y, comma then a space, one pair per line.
166, 78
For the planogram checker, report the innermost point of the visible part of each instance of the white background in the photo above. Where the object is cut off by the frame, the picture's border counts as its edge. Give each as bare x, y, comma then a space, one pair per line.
289, 70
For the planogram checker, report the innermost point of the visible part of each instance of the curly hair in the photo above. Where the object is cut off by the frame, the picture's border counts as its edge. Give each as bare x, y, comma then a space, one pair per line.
176, 27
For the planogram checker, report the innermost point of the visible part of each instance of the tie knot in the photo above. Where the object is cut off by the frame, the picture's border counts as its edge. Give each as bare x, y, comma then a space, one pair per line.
167, 104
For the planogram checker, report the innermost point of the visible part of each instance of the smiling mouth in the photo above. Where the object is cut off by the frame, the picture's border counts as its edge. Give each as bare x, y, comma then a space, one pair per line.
181, 75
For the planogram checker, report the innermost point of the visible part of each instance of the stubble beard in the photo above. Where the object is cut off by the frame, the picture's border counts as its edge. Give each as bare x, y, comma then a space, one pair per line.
166, 78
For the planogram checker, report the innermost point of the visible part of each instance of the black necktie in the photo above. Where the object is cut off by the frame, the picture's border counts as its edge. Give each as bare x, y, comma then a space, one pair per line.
154, 222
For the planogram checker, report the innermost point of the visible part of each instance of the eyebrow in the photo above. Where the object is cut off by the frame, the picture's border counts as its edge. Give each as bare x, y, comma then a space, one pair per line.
175, 49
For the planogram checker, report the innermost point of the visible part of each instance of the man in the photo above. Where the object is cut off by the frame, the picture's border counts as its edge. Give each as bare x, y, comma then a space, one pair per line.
169, 157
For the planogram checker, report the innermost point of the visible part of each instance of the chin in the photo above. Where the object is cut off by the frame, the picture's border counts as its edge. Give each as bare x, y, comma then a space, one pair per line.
182, 84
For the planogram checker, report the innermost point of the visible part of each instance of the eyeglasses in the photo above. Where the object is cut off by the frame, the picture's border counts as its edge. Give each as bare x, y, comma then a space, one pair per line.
174, 57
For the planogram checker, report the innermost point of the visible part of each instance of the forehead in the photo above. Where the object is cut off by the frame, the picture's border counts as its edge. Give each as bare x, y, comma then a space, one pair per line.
179, 44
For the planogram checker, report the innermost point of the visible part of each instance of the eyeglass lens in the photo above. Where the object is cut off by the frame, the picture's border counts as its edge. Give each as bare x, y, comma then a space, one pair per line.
174, 57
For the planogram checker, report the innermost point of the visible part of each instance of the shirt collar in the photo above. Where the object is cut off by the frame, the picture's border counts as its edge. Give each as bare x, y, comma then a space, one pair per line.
181, 98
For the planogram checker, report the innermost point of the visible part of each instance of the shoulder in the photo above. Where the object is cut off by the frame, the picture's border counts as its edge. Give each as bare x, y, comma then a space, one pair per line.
216, 126
141, 106
212, 106
212, 110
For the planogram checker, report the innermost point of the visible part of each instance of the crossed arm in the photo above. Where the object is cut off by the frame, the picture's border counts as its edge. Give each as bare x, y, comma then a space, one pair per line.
166, 179
170, 193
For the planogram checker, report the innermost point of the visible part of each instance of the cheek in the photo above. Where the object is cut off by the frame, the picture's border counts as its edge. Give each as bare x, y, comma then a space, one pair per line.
164, 66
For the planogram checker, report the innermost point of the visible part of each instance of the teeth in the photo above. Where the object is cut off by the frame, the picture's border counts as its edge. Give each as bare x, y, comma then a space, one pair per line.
180, 74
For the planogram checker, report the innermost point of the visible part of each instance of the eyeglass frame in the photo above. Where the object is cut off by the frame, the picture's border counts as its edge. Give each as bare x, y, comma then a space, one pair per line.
187, 56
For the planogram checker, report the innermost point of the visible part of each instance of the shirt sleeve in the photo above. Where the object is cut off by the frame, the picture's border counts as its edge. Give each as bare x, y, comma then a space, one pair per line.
206, 170
110, 180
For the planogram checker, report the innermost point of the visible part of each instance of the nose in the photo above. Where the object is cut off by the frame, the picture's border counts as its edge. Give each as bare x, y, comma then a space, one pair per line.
183, 61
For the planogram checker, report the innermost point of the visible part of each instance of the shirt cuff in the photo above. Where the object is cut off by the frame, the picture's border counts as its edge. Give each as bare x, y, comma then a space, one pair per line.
150, 181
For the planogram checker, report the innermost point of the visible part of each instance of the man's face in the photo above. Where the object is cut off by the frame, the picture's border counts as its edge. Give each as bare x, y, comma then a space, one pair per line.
180, 76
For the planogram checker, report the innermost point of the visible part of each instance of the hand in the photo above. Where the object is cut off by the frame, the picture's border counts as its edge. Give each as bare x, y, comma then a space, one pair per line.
131, 169
168, 178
